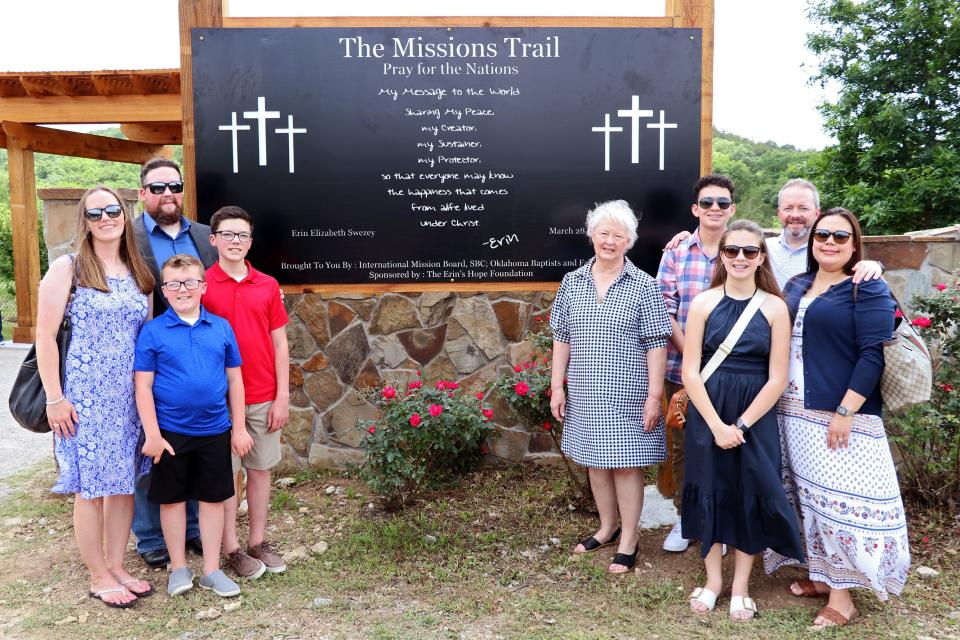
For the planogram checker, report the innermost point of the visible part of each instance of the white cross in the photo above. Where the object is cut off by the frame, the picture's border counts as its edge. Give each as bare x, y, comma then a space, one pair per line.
233, 127
662, 125
635, 113
290, 131
606, 129
261, 115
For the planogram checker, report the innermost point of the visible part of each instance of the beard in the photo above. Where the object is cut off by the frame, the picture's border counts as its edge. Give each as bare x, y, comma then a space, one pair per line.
797, 234
164, 218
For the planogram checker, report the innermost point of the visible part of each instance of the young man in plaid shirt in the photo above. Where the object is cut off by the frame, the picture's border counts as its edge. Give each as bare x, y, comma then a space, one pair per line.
684, 272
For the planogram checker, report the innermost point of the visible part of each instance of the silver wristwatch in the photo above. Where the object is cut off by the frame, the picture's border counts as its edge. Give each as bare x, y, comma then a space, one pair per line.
740, 424
843, 411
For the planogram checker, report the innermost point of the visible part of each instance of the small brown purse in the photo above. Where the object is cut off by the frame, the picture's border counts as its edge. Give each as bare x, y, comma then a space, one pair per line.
676, 414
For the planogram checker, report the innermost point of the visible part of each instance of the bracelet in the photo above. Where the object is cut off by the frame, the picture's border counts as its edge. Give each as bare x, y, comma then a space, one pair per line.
57, 401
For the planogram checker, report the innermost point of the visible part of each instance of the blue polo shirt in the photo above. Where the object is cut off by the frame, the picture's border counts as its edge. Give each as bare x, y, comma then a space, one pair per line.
164, 247
189, 362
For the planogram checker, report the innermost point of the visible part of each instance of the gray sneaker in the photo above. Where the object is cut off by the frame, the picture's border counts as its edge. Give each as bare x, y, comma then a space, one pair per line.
180, 580
220, 584
270, 558
243, 565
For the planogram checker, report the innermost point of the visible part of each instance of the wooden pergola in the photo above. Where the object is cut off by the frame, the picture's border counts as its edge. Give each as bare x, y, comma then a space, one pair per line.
145, 103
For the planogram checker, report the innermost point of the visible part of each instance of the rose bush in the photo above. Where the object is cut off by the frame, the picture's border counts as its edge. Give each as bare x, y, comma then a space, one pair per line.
927, 436
425, 436
527, 390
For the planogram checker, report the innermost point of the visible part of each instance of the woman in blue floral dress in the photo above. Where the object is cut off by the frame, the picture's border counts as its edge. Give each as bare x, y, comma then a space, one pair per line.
104, 289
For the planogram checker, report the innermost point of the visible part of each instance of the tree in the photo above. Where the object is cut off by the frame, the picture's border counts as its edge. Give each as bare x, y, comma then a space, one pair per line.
897, 118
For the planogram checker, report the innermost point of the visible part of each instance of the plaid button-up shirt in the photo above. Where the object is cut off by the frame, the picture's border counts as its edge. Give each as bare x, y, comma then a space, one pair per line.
684, 272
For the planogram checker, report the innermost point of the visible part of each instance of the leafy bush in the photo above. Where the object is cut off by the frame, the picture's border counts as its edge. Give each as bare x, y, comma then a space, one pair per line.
928, 435
424, 437
527, 390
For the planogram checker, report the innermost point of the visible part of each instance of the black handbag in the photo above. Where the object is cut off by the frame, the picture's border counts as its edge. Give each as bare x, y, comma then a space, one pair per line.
28, 400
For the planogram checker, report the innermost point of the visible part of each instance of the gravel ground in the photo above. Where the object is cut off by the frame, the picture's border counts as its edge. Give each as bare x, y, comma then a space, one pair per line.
19, 449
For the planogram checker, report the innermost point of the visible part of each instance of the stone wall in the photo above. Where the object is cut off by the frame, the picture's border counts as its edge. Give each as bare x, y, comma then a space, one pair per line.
342, 342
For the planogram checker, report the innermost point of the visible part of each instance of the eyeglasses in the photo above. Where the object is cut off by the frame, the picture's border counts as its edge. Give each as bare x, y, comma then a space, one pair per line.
174, 285
112, 211
731, 251
707, 201
243, 236
157, 188
840, 237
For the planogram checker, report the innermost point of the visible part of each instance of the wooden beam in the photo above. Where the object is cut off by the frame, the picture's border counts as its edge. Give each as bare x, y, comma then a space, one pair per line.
449, 21
154, 132
91, 109
698, 14
26, 250
80, 145
194, 14
3, 140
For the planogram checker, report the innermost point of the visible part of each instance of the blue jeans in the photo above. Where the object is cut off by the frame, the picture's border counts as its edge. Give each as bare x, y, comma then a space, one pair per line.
146, 520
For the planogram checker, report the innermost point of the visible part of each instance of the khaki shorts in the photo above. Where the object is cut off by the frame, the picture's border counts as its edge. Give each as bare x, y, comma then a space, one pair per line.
266, 445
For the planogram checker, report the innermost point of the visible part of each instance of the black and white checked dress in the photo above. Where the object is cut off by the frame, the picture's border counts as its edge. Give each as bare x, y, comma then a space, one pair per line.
607, 373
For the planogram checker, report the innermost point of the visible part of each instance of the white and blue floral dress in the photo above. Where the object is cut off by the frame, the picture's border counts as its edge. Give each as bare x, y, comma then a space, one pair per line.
103, 458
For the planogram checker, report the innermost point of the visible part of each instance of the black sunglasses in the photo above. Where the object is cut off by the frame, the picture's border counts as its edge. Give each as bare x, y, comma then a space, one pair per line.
112, 211
707, 201
840, 237
731, 251
156, 188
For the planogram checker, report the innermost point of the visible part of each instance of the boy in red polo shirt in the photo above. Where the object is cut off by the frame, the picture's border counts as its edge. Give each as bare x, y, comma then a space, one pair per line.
252, 303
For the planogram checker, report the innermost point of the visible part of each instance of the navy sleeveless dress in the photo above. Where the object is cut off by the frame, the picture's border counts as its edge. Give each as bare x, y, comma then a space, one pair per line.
735, 496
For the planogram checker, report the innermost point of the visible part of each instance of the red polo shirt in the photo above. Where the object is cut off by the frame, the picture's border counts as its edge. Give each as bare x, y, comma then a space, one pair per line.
254, 308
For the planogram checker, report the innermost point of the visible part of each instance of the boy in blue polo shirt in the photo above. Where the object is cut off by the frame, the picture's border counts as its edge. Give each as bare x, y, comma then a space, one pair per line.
187, 365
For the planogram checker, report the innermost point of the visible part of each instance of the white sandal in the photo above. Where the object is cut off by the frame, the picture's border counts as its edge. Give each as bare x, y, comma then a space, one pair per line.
705, 597
743, 603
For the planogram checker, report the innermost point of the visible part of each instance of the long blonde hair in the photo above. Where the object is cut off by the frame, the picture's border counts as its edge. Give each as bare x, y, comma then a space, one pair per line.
89, 268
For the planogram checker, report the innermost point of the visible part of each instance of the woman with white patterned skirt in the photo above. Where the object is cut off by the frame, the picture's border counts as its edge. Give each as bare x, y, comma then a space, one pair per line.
838, 471
610, 330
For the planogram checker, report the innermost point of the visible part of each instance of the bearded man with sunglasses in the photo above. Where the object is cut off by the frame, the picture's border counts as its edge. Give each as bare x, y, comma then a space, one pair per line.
162, 232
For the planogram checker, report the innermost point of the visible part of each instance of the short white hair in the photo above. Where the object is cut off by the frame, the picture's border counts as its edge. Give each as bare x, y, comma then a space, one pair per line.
617, 211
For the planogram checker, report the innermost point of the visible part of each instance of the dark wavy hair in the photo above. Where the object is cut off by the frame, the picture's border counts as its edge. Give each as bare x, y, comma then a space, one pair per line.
764, 274
857, 240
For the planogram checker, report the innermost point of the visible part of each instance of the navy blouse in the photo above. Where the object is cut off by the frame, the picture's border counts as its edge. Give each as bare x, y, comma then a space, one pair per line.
843, 340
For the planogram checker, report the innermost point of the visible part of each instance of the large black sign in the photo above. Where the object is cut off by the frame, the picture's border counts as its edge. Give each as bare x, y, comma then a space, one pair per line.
444, 155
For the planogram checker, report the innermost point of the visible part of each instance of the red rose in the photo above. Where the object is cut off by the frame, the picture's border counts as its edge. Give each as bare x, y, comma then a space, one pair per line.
898, 314
416, 384
940, 287
418, 373
479, 395
435, 410
947, 387
547, 425
538, 318
372, 430
441, 385
527, 365
452, 385
415, 420
389, 392
521, 388
488, 413
518, 368
921, 321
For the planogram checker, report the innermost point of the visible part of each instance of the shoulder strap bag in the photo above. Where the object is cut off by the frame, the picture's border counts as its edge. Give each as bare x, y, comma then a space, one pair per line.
28, 400
676, 415
907, 377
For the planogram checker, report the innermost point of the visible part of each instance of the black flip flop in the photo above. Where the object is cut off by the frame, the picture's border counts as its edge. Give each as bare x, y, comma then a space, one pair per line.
592, 544
98, 595
139, 594
625, 560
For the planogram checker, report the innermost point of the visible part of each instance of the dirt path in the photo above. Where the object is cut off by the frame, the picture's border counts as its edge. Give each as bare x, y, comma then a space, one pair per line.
19, 449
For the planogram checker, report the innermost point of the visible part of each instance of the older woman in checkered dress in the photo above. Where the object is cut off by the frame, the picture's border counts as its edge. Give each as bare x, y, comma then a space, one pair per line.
610, 330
